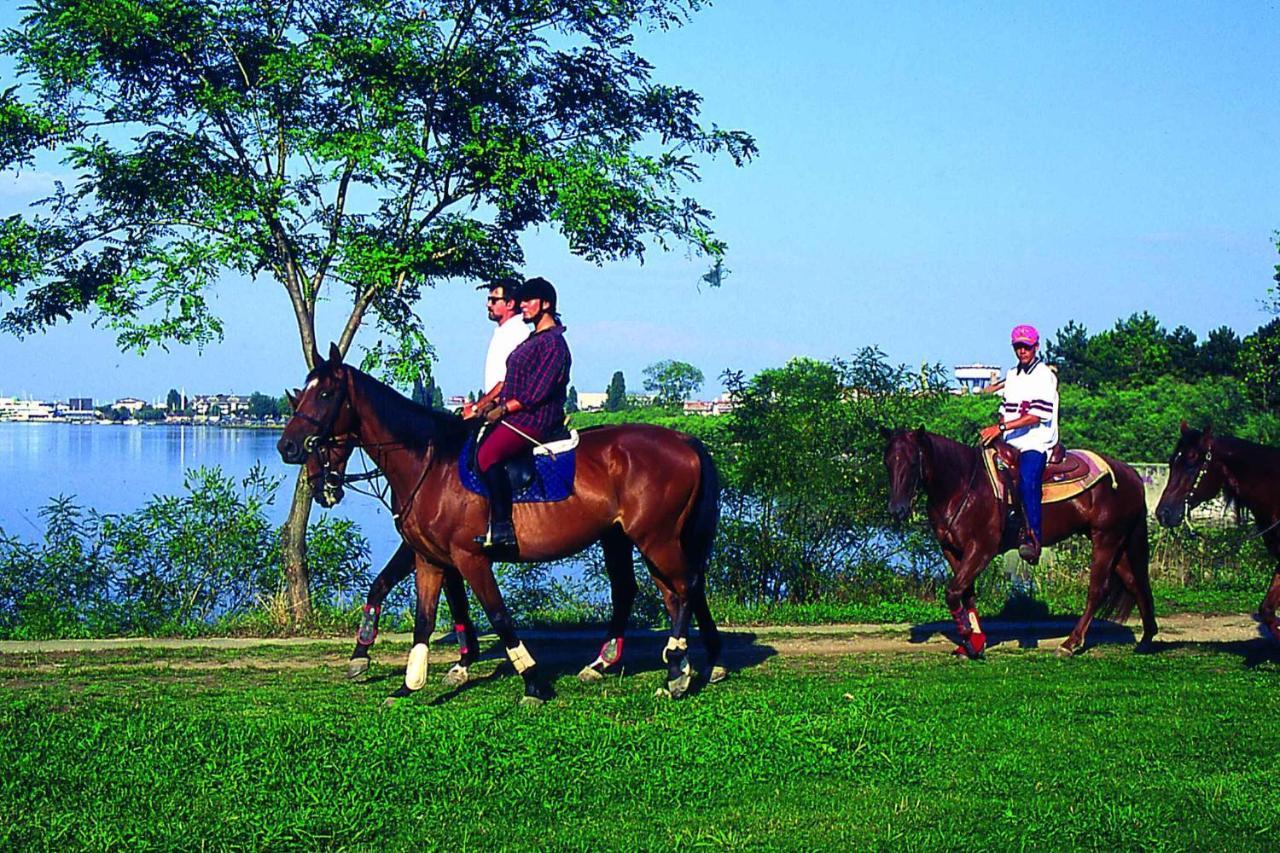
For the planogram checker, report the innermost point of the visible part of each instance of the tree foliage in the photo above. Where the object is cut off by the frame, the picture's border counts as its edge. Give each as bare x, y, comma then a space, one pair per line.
380, 146
615, 396
672, 382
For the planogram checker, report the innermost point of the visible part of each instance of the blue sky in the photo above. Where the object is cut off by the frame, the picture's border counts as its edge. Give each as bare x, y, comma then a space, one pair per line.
930, 175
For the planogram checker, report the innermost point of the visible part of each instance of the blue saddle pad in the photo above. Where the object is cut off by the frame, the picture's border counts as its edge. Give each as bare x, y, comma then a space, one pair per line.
552, 476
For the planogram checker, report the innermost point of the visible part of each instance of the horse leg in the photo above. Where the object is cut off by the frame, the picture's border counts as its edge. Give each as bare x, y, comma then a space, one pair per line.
1106, 552
396, 570
478, 572
1268, 609
455, 593
428, 580
619, 562
962, 602
1132, 569
709, 632
665, 565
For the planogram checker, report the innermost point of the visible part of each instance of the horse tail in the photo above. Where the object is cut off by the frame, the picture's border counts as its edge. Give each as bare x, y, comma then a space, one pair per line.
699, 532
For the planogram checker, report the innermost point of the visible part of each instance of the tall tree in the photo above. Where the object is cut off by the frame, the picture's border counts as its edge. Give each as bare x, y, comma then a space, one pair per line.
367, 150
571, 401
1069, 352
173, 401
1219, 352
672, 382
615, 396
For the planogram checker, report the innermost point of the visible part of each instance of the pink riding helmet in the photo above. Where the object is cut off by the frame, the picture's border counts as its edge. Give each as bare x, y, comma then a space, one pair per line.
1025, 334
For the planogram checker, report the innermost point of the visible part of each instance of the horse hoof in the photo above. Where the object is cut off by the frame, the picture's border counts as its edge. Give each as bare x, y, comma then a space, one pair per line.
677, 687
590, 675
532, 702
415, 674
1065, 651
456, 676
357, 667
662, 693
718, 674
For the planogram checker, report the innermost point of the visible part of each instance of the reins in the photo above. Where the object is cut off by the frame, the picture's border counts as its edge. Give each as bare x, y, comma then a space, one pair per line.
1195, 484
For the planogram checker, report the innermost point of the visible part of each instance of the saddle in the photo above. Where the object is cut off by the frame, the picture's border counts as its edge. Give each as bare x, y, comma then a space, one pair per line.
1067, 473
545, 474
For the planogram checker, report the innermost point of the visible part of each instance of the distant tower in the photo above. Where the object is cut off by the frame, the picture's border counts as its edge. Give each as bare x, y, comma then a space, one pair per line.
974, 377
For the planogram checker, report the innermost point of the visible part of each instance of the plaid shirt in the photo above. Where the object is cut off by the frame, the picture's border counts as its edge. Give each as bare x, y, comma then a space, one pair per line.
538, 376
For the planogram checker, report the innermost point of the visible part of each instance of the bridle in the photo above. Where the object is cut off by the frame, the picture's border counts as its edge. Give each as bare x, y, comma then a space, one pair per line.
323, 440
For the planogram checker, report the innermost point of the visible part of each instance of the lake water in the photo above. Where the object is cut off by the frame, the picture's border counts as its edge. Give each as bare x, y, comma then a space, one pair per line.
117, 469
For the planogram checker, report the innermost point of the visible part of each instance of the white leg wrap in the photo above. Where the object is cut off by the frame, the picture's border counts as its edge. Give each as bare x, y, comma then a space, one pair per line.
674, 645
520, 658
973, 622
415, 673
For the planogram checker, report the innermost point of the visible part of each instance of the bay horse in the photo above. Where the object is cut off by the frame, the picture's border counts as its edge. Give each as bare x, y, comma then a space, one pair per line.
636, 485
970, 525
1248, 476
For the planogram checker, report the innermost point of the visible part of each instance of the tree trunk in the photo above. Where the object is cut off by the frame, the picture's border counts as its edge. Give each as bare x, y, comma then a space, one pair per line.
297, 580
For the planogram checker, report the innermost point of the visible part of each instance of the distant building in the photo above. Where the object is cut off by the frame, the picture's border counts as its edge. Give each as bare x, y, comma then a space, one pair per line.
13, 409
457, 401
131, 404
974, 377
227, 405
80, 404
591, 401
721, 405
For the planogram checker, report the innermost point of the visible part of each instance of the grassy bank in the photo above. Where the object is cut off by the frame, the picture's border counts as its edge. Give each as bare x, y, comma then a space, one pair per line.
271, 747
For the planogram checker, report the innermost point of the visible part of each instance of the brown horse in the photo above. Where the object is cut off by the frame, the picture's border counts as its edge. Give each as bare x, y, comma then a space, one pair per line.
1247, 474
636, 484
971, 526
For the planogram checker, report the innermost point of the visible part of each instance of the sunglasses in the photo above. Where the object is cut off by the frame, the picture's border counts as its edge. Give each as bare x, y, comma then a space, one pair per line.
493, 299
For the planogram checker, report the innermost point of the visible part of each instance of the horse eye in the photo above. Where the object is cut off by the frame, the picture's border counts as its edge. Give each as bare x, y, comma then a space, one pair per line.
325, 395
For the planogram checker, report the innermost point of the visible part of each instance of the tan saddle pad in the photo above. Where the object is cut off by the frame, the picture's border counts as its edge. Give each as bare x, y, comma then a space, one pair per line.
1079, 471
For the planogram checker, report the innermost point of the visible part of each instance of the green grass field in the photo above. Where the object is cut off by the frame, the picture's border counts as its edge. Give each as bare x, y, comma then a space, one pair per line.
273, 748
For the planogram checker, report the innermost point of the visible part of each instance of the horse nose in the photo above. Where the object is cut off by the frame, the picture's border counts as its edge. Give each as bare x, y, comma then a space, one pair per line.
1169, 516
899, 511
289, 450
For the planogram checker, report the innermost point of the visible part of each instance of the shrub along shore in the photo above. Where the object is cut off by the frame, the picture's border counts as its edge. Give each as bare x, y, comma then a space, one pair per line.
804, 534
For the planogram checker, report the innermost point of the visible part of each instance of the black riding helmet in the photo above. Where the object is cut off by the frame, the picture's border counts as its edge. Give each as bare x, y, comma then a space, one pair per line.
538, 288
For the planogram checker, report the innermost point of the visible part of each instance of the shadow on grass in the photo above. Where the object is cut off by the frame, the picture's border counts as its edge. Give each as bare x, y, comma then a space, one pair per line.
562, 654
1252, 652
1028, 622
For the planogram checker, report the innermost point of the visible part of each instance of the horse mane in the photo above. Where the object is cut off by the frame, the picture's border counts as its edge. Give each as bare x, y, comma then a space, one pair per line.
951, 454
1262, 462
413, 424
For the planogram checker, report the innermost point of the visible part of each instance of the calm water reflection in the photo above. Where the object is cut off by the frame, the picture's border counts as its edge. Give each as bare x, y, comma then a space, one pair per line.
118, 468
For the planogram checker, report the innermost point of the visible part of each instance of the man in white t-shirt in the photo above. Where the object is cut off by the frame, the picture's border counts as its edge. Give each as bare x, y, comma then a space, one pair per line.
510, 333
1028, 422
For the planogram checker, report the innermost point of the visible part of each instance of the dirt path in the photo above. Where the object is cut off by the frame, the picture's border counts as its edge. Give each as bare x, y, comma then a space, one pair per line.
797, 641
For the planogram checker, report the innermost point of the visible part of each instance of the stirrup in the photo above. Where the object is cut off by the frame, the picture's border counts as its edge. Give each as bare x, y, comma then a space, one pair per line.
1029, 550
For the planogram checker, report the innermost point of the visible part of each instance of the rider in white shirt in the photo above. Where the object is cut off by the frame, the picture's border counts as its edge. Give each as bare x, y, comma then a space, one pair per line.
1028, 422
509, 334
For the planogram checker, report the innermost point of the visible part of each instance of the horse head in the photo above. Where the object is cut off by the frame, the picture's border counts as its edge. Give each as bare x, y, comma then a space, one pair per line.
904, 457
1193, 476
321, 433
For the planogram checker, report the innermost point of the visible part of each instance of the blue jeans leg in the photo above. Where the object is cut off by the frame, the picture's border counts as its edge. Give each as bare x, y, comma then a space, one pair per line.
1030, 470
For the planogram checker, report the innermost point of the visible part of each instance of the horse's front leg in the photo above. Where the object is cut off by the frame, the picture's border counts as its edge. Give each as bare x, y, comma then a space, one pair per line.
396, 570
479, 573
455, 593
427, 581
1106, 550
1267, 612
963, 605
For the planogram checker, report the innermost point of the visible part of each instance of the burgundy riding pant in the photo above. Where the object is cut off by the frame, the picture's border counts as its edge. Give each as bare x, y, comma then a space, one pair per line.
501, 444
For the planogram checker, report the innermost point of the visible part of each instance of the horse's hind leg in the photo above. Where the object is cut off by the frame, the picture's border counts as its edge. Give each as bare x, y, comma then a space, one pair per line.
1106, 551
1267, 612
1134, 571
708, 630
396, 570
666, 564
619, 562
455, 593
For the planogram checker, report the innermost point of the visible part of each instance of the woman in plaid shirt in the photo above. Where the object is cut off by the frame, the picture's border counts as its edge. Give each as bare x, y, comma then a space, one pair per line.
529, 409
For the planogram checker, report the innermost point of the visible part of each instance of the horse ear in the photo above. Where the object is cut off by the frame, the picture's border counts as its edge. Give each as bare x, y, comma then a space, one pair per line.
885, 433
292, 397
335, 354
1186, 427
316, 359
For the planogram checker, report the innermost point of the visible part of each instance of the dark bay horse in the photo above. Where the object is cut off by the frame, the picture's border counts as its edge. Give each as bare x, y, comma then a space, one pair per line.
636, 485
1247, 474
969, 523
